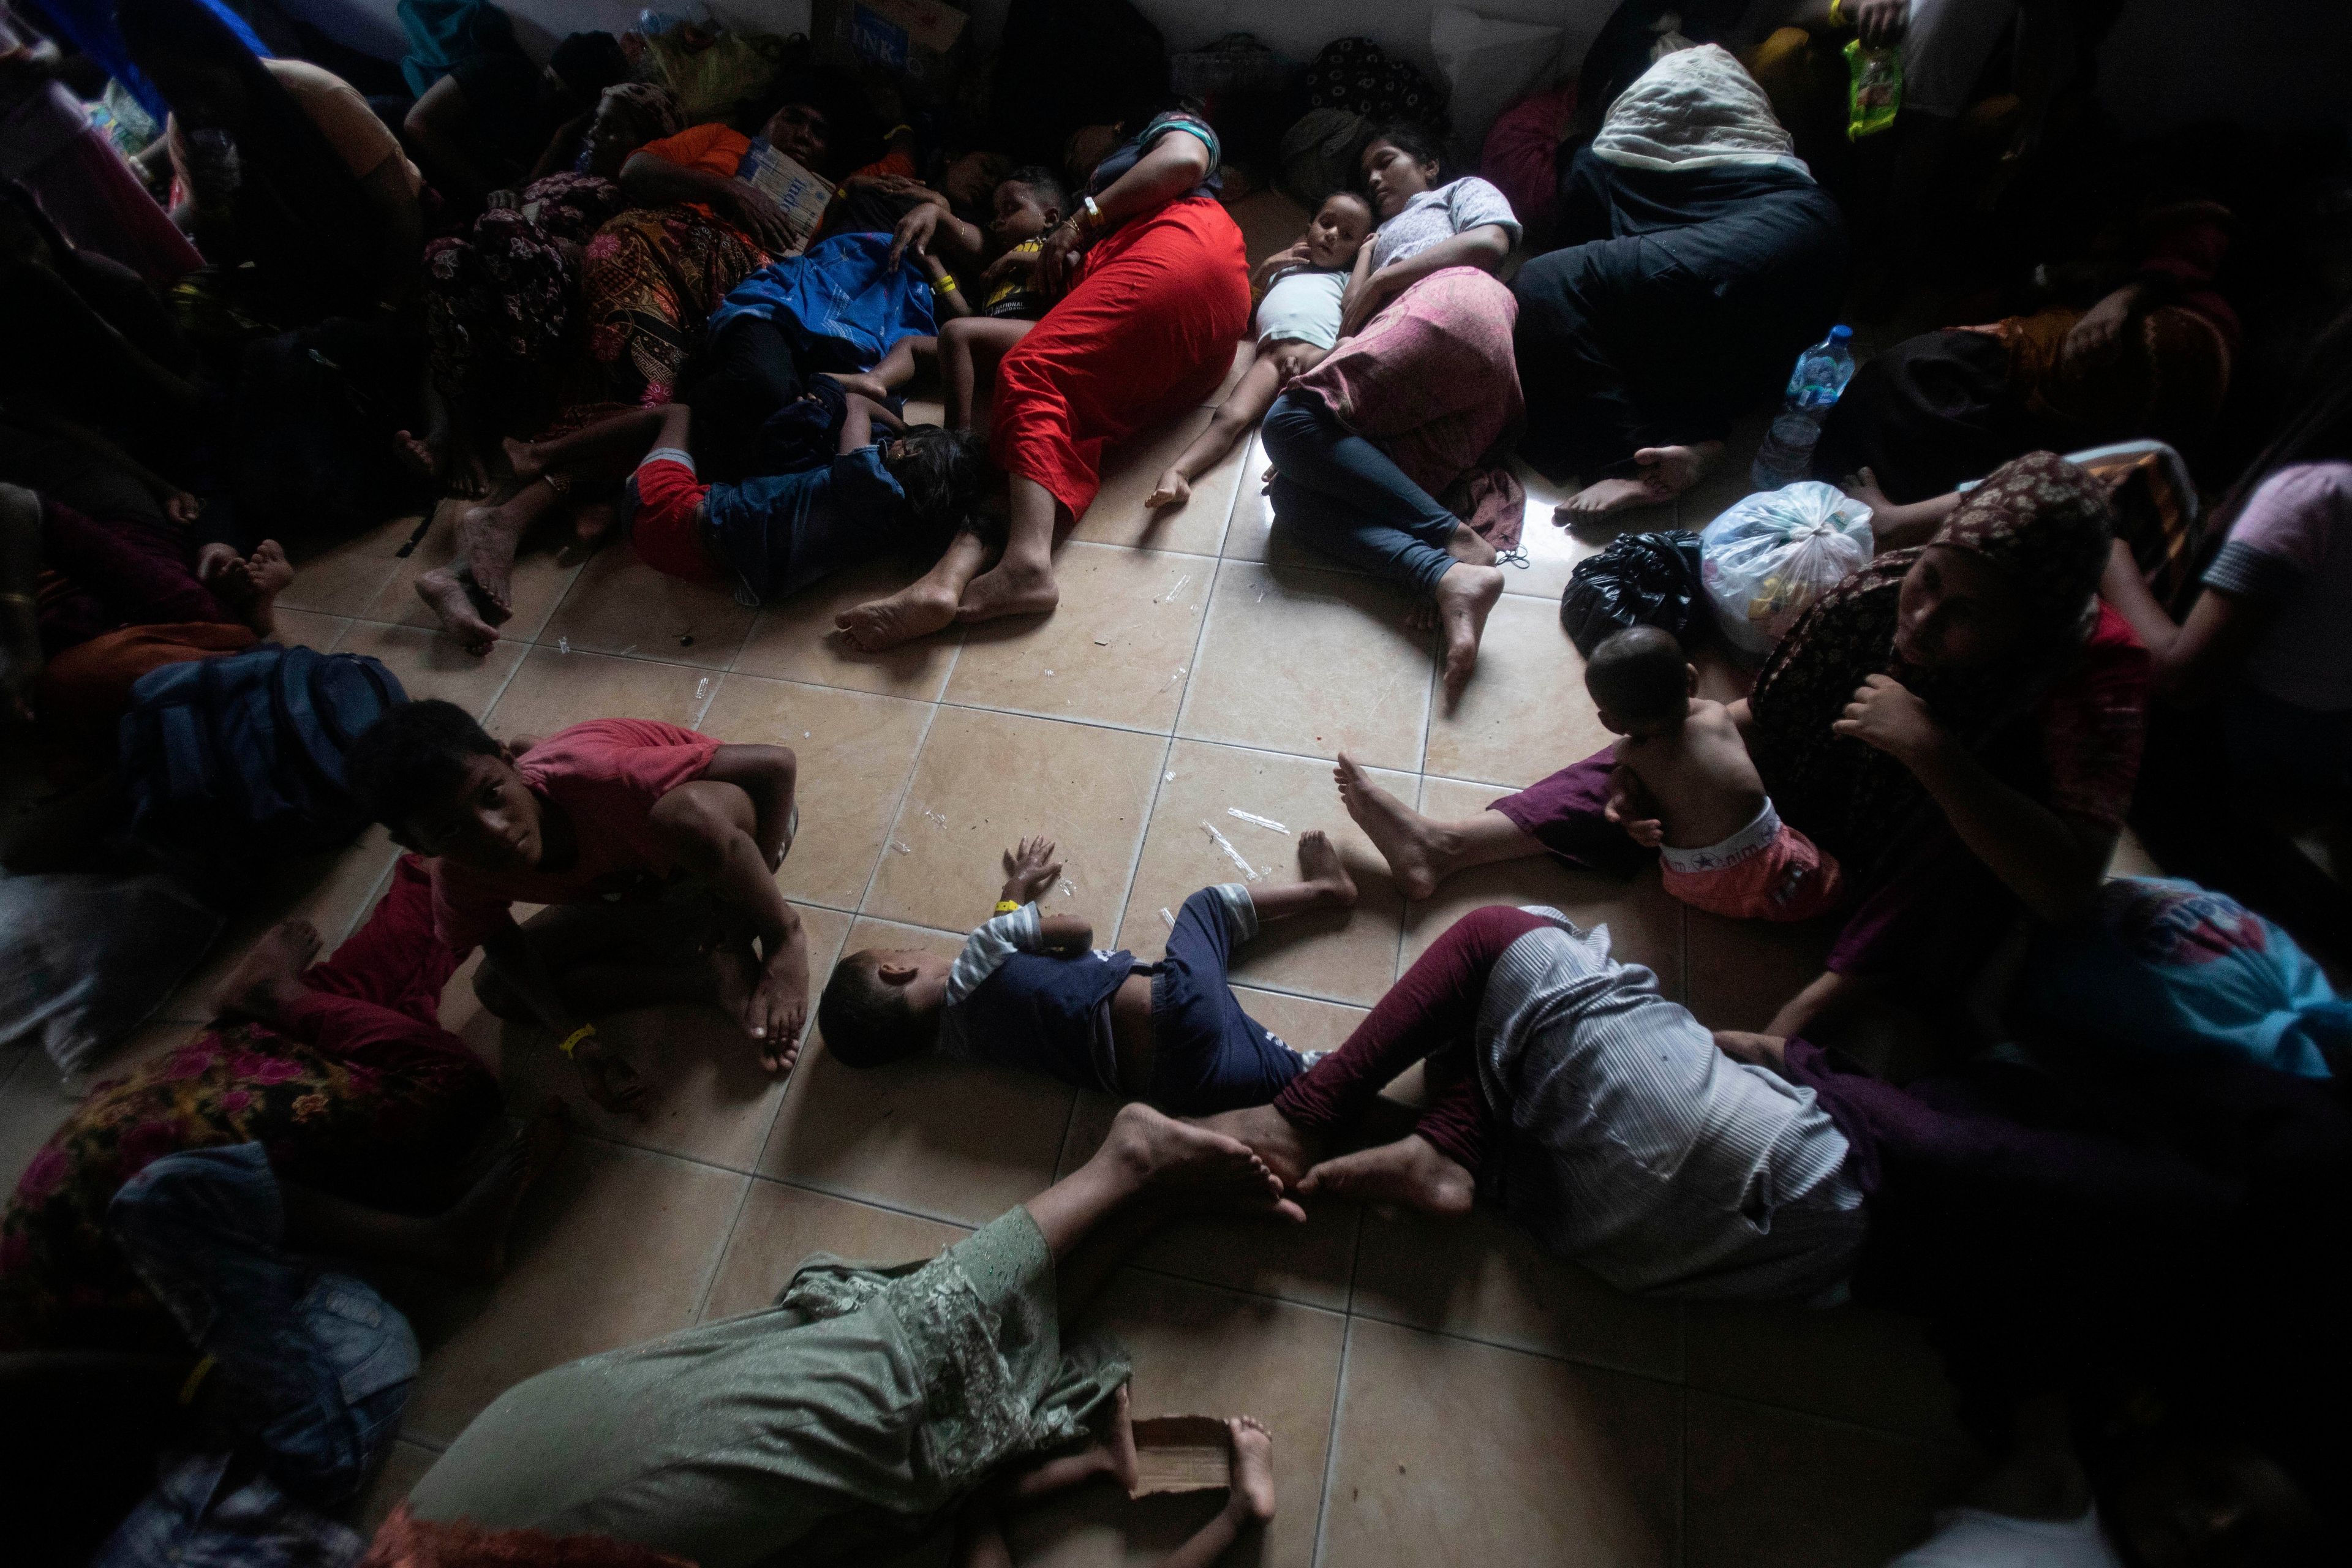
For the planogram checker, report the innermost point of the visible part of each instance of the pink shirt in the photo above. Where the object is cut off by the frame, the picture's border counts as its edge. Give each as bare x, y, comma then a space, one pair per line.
605, 775
2290, 549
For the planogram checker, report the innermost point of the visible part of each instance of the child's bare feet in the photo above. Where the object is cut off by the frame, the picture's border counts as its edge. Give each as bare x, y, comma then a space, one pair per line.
1118, 1443
1253, 1467
1466, 596
1410, 1172
268, 574
215, 560
866, 386
1666, 472
1400, 834
523, 458
1289, 1151
487, 537
1167, 1159
1320, 867
474, 1230
450, 597
270, 975
416, 454
1173, 489
917, 610
1010, 587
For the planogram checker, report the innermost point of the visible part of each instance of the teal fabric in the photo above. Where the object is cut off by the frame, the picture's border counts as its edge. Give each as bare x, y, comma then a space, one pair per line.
848, 1415
442, 32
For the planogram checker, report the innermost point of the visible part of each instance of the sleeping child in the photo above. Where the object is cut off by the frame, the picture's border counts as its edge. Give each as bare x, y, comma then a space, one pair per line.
1004, 306
1298, 325
1030, 990
1725, 849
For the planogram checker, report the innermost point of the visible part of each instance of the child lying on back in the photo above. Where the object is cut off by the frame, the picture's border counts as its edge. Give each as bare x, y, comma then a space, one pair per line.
1030, 990
1725, 849
1298, 325
654, 849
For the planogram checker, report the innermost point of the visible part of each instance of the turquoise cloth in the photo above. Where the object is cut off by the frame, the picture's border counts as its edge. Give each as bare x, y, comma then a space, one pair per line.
2164, 967
442, 32
850, 1414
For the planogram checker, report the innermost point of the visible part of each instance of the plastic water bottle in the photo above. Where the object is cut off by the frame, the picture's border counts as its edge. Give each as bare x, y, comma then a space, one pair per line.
1822, 373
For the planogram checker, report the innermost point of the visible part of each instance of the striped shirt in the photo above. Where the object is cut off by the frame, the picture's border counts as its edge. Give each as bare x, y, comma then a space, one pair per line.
1640, 1151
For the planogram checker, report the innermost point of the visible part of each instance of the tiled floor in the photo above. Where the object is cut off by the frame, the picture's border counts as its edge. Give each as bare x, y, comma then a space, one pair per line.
1440, 1393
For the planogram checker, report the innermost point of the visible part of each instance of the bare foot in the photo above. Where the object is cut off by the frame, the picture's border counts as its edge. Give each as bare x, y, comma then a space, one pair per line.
1170, 1158
1404, 838
1253, 1467
214, 559
1421, 615
1119, 1443
1666, 472
1010, 588
1173, 489
734, 976
1410, 1172
268, 574
864, 385
1320, 867
1465, 595
523, 458
473, 1231
416, 454
270, 975
451, 600
1466, 545
487, 539
917, 610
592, 522
1288, 1150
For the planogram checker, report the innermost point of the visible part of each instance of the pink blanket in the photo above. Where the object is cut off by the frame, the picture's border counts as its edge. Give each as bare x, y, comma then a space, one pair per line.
1433, 383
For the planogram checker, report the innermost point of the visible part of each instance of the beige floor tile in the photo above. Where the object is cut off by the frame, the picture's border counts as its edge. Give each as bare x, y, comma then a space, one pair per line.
1115, 652
308, 629
1310, 662
1765, 1488
1741, 971
982, 783
946, 1139
1453, 1452
1483, 1278
1644, 925
1525, 713
1851, 1364
854, 750
431, 665
620, 604
554, 689
794, 640
1120, 517
611, 1248
542, 574
925, 410
1552, 549
345, 578
1198, 1350
1350, 955
780, 1227
403, 1469
1310, 1263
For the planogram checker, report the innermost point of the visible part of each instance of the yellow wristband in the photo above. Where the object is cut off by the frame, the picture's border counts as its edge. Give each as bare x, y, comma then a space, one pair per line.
572, 1041
196, 1375
1007, 907
945, 284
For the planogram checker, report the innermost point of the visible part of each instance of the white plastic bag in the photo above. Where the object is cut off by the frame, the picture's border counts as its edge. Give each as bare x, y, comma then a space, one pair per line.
1768, 559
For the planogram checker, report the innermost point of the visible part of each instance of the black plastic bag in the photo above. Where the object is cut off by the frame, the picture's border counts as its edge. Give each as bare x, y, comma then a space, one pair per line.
1640, 580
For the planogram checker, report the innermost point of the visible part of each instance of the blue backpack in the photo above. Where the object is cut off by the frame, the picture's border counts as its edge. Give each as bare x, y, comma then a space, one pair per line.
237, 762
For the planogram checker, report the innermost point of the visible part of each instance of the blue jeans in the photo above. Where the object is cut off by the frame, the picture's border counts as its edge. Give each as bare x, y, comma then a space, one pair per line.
1207, 1055
314, 1367
1350, 498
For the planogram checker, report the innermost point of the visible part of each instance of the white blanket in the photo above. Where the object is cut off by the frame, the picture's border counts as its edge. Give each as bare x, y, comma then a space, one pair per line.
1696, 109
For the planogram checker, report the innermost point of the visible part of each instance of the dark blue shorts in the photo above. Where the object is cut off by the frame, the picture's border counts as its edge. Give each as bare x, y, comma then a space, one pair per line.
1207, 1055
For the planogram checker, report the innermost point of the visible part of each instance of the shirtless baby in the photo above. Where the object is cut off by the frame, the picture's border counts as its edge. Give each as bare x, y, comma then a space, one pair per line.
1685, 784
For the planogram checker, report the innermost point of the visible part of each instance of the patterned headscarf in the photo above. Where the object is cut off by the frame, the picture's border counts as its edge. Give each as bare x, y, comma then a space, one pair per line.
2045, 524
655, 108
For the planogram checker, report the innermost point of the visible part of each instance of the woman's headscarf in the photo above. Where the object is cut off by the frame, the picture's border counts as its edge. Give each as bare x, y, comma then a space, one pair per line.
2045, 524
652, 108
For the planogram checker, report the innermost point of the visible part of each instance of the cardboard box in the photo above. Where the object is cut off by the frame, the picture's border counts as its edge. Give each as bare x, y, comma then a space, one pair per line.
921, 43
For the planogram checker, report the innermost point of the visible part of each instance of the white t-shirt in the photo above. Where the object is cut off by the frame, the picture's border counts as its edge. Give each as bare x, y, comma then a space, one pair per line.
1972, 1538
1435, 217
1302, 305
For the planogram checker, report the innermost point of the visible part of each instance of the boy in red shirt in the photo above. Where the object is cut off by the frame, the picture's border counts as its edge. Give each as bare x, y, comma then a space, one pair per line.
654, 849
